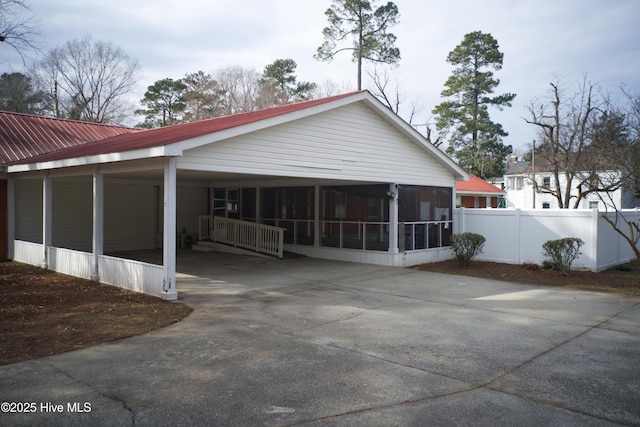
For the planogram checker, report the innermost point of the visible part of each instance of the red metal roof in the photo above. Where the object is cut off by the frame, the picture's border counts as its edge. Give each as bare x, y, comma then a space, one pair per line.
167, 135
23, 136
476, 185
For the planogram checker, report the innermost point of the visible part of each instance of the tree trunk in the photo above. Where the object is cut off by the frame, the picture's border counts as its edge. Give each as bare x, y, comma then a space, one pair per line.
359, 72
360, 42
634, 233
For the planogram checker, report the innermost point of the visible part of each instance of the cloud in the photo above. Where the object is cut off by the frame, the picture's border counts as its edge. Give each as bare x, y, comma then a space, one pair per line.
539, 38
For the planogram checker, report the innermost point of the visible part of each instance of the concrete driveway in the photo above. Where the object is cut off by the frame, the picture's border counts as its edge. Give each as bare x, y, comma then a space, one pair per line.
309, 342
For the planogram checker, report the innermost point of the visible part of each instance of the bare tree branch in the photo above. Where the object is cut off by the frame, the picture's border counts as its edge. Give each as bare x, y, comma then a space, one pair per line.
18, 27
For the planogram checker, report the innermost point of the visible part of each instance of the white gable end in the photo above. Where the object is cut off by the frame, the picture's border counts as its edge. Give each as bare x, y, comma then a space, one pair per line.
351, 143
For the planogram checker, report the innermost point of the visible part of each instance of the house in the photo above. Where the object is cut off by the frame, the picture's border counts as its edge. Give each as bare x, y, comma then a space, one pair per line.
522, 193
340, 178
478, 193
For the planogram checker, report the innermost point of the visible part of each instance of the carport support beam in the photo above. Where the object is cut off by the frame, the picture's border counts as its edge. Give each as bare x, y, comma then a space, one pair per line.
98, 221
169, 231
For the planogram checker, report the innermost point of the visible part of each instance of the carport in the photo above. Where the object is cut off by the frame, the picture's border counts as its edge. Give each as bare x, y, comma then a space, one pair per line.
345, 177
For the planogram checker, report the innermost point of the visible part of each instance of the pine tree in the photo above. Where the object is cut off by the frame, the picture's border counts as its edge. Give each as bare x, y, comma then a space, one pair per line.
474, 140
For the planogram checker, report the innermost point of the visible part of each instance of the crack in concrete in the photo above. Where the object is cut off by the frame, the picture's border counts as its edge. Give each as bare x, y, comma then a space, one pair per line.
381, 407
565, 342
488, 385
90, 386
363, 310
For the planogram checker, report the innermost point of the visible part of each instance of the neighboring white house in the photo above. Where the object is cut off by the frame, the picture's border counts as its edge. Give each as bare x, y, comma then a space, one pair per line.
344, 177
521, 193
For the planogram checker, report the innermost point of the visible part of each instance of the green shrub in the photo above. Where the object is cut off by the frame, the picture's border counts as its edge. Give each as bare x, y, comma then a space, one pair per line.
561, 253
624, 267
465, 246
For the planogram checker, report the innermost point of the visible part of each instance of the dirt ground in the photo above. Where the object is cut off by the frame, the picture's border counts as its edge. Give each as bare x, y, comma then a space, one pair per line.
44, 313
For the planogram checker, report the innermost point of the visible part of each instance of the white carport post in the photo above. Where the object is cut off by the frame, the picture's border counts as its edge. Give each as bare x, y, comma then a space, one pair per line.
47, 198
98, 221
169, 231
393, 218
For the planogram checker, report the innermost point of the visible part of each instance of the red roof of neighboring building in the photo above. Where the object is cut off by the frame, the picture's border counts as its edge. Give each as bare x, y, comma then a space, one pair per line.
166, 135
23, 136
476, 185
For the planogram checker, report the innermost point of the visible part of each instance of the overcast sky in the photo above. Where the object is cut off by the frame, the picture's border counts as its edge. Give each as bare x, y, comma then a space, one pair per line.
540, 39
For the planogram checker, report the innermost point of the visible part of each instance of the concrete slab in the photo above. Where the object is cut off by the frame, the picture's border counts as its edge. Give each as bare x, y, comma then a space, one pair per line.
311, 342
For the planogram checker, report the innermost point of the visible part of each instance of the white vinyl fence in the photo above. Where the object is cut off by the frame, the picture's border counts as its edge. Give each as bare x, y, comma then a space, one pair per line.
516, 236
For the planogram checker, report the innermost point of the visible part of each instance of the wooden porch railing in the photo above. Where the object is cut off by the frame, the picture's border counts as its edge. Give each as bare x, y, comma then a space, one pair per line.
205, 225
243, 234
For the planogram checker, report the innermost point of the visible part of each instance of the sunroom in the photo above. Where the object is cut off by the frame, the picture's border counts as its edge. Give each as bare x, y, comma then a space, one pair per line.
388, 217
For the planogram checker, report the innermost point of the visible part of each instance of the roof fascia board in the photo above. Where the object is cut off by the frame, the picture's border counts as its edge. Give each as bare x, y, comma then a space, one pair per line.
90, 160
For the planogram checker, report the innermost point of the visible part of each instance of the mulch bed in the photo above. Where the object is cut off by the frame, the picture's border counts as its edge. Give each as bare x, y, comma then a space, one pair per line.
44, 313
614, 280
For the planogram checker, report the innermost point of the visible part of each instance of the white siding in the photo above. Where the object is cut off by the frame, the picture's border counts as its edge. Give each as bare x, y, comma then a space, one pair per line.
350, 143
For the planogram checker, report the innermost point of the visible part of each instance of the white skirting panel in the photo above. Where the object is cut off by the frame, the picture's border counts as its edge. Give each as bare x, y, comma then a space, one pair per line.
27, 252
134, 275
123, 273
407, 259
425, 256
73, 263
